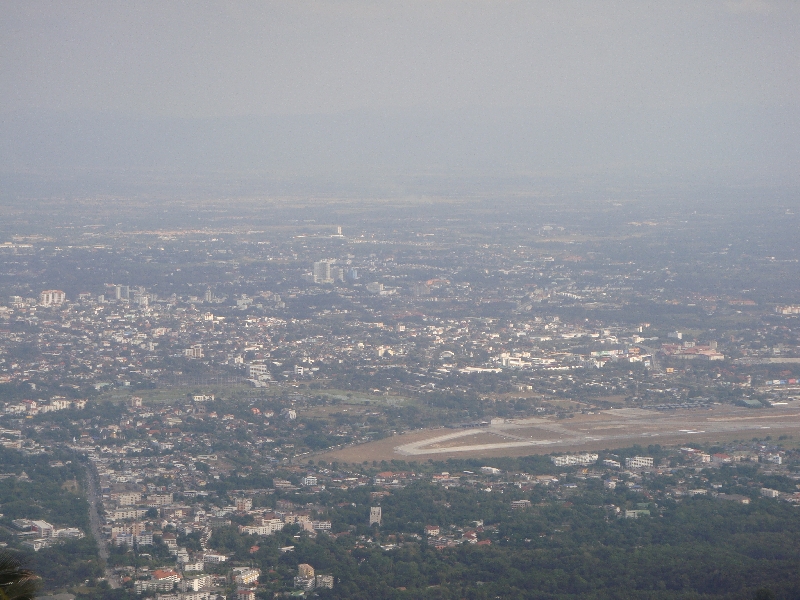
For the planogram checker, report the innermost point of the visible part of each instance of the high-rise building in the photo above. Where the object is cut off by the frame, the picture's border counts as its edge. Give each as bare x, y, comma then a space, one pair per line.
337, 273
322, 272
209, 296
52, 298
375, 515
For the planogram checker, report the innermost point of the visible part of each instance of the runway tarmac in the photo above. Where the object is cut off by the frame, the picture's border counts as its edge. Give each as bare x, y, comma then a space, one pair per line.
603, 430
610, 427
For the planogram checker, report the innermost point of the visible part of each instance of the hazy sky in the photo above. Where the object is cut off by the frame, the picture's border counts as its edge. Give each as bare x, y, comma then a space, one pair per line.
565, 60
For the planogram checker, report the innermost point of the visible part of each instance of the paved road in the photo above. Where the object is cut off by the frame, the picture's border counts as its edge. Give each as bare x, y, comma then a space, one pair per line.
618, 426
94, 518
653, 361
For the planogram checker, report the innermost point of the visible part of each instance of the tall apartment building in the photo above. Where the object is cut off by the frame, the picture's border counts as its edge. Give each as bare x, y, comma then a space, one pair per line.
52, 298
322, 272
375, 515
121, 292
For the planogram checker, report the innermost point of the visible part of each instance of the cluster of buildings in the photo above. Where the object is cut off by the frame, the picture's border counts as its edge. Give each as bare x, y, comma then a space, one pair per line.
307, 580
141, 511
138, 519
124, 337
36, 535
477, 534
698, 474
419, 299
574, 459
121, 336
692, 351
117, 341
47, 298
36, 407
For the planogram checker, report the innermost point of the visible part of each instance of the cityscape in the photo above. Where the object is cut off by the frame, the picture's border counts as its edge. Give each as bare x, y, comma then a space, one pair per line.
237, 401
357, 300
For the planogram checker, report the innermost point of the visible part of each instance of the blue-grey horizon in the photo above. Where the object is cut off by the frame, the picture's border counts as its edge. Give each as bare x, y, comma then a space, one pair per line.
304, 89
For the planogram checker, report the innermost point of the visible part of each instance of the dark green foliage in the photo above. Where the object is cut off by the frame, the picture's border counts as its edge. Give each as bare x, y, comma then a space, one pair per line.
70, 563
16, 581
318, 441
698, 548
50, 495
45, 496
104, 593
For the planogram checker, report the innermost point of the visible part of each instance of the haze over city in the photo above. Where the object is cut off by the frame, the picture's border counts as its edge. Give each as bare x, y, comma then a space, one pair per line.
406, 97
401, 300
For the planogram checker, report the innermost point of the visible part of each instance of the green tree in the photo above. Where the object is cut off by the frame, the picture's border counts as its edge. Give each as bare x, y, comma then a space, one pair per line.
16, 581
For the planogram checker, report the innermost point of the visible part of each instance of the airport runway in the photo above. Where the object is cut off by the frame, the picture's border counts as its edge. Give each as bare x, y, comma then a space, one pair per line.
607, 428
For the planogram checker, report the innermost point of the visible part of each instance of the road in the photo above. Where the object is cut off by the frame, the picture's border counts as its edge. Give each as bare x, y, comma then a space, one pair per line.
94, 519
653, 361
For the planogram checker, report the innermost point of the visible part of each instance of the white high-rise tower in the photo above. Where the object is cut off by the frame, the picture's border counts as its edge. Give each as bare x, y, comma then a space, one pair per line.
375, 515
